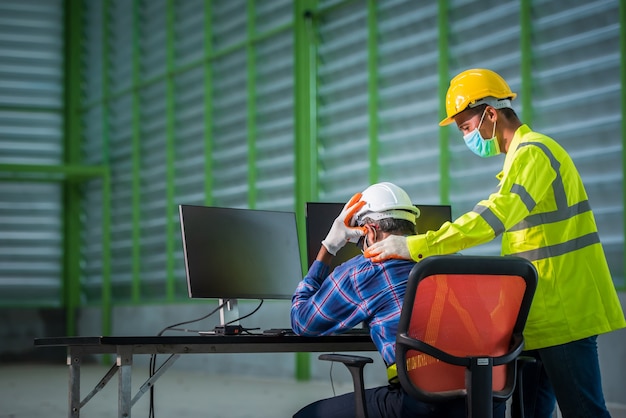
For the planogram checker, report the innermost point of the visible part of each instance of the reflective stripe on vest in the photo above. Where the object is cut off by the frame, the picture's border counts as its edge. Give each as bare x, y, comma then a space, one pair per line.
392, 374
563, 212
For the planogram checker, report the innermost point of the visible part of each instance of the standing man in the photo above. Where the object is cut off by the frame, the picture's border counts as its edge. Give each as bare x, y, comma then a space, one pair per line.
542, 212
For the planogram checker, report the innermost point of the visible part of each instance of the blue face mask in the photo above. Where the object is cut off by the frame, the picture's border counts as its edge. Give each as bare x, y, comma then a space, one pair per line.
481, 146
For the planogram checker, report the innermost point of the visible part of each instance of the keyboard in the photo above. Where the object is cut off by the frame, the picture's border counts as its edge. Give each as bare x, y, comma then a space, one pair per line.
357, 331
289, 331
278, 331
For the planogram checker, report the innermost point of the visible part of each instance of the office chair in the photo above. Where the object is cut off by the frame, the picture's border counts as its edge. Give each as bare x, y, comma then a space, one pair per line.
460, 331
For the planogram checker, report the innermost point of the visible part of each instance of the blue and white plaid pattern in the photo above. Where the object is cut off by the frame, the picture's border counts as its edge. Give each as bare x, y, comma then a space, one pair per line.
357, 291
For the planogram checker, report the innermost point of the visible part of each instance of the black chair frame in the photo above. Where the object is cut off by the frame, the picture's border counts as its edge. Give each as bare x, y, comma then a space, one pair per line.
479, 394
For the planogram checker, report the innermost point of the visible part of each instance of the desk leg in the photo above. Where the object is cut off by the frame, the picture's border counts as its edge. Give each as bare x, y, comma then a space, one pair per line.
124, 364
74, 359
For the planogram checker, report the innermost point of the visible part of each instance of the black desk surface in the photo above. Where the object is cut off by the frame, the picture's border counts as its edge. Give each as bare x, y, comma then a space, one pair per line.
213, 343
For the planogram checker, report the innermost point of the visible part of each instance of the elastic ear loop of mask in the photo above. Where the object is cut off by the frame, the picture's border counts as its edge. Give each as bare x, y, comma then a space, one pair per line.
363, 239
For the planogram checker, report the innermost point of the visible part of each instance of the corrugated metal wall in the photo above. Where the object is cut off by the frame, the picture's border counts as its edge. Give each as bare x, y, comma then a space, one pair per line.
31, 133
197, 109
193, 102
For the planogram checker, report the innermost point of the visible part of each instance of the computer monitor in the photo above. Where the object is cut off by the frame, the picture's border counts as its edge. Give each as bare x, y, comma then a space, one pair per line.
320, 217
233, 254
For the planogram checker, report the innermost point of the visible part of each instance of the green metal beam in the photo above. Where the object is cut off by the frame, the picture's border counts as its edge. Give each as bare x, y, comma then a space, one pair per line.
208, 104
35, 109
444, 75
170, 174
305, 114
50, 173
526, 60
72, 156
305, 93
622, 42
107, 302
136, 158
372, 88
251, 107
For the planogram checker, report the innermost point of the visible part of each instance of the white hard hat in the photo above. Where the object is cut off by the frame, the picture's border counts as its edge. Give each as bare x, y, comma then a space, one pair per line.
386, 200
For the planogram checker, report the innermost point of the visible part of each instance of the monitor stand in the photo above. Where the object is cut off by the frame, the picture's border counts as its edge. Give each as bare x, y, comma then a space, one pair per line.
229, 319
229, 312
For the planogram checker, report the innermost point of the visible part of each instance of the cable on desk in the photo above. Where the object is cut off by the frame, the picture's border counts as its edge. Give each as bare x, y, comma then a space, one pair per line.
153, 356
245, 316
330, 375
151, 413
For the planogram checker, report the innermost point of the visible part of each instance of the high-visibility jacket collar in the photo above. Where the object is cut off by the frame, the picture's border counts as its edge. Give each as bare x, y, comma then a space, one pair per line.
517, 138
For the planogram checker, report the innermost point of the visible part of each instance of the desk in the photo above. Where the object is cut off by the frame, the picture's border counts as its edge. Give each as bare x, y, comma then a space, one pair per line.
126, 347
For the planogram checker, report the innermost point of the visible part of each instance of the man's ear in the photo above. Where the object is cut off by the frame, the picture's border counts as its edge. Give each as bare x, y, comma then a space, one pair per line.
372, 233
492, 113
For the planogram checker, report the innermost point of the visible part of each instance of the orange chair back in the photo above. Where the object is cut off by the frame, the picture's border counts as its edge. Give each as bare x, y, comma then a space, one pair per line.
463, 315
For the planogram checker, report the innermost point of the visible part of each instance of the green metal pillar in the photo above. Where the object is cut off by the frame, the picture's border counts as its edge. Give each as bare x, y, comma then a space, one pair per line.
107, 303
208, 105
622, 42
170, 204
526, 60
251, 105
444, 82
372, 88
136, 159
72, 137
305, 80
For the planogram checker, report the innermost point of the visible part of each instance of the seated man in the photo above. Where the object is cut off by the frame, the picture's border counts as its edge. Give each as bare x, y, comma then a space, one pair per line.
360, 290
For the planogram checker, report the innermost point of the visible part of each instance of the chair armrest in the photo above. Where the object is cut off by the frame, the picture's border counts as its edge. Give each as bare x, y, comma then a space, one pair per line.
347, 359
355, 365
523, 360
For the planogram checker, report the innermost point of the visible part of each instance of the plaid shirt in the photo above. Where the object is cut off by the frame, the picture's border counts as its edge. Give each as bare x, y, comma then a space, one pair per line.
357, 291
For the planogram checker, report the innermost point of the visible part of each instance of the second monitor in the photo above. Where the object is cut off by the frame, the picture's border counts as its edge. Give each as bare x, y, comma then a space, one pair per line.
320, 217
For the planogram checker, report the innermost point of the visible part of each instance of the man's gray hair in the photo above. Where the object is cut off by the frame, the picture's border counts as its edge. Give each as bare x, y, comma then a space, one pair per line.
393, 226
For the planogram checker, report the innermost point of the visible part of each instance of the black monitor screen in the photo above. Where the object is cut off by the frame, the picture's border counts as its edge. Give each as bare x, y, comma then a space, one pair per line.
240, 253
320, 217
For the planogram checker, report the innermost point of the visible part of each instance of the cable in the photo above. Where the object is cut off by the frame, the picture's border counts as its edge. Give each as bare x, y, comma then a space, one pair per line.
330, 375
245, 316
174, 327
152, 366
194, 320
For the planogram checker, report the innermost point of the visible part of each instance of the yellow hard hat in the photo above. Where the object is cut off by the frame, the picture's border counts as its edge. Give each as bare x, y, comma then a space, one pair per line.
474, 87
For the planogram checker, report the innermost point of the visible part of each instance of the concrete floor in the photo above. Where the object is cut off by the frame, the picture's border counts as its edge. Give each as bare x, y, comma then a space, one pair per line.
41, 391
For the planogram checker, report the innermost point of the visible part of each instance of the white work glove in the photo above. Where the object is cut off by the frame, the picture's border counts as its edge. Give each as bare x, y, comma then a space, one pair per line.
394, 246
341, 231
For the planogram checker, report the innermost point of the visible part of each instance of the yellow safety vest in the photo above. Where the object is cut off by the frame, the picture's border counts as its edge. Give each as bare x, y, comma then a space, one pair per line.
542, 212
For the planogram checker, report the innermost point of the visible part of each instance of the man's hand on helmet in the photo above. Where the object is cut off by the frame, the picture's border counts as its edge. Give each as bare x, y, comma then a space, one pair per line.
394, 246
341, 231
